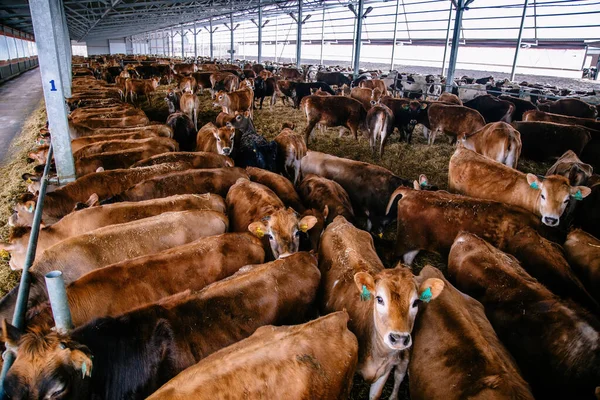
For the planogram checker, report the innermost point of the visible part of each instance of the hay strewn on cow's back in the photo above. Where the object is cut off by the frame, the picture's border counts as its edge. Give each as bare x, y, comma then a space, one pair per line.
13, 186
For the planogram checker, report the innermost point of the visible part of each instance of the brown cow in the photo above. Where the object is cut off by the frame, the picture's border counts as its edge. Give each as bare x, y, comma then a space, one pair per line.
456, 354
290, 73
374, 84
333, 111
239, 100
157, 129
365, 96
184, 68
99, 185
160, 334
223, 119
86, 220
450, 98
498, 141
215, 180
223, 81
140, 87
452, 120
474, 175
380, 125
202, 81
570, 107
115, 159
583, 253
187, 83
254, 207
547, 140
541, 116
382, 303
572, 168
85, 126
280, 185
190, 106
215, 140
562, 362
320, 193
163, 143
147, 279
307, 357
291, 149
198, 160
78, 143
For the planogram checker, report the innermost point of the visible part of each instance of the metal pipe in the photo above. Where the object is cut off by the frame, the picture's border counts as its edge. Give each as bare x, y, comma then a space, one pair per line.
18, 320
455, 43
57, 294
211, 39
260, 26
447, 37
353, 37
519, 38
299, 36
322, 36
276, 35
231, 28
172, 43
395, 33
182, 44
358, 38
195, 42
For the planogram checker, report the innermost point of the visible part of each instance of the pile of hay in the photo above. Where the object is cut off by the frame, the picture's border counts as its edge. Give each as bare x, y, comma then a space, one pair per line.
13, 186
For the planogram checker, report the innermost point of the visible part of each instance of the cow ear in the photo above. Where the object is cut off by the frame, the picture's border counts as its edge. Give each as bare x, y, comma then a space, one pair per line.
580, 192
30, 177
423, 181
258, 229
365, 284
82, 362
307, 223
430, 289
423, 106
10, 335
533, 181
30, 206
93, 201
325, 212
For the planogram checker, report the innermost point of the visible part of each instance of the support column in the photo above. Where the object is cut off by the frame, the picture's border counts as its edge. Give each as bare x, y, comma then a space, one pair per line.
195, 41
44, 19
62, 45
455, 42
395, 35
68, 48
276, 35
447, 37
172, 43
514, 65
322, 36
182, 43
232, 50
357, 45
260, 26
299, 35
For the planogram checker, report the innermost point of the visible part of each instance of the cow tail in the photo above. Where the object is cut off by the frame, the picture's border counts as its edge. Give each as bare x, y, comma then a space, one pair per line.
510, 158
400, 191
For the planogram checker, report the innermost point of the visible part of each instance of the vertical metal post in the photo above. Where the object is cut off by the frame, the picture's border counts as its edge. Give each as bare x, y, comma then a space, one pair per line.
182, 44
260, 26
172, 43
195, 42
231, 28
57, 294
50, 67
447, 37
455, 43
357, 45
211, 39
322, 36
353, 37
299, 35
514, 65
276, 35
61, 46
395, 33
69, 55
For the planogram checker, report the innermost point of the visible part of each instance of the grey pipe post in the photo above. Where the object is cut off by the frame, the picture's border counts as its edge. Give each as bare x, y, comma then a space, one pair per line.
54, 94
195, 42
299, 36
211, 39
322, 36
395, 33
455, 43
57, 294
18, 320
231, 28
182, 44
357, 45
276, 35
260, 26
514, 65
353, 36
447, 37
172, 43
67, 39
61, 46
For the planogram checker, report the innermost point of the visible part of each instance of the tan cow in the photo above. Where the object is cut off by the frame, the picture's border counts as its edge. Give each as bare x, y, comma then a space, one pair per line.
223, 81
382, 303
215, 140
374, 84
78, 143
140, 87
167, 144
254, 207
450, 98
198, 159
321, 193
280, 185
365, 96
583, 253
239, 100
291, 149
498, 141
474, 175
453, 120
541, 116
190, 106
456, 354
187, 84
572, 168
315, 360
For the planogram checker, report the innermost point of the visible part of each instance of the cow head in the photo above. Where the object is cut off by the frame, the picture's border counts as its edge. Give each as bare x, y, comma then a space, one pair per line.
23, 211
48, 365
283, 229
259, 84
413, 109
395, 295
554, 195
224, 138
376, 96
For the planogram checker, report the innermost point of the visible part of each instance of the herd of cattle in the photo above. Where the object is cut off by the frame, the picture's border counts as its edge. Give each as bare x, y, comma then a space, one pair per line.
209, 262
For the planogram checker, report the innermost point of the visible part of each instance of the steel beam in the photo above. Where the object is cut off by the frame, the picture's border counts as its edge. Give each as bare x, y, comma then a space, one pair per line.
395, 33
447, 37
322, 36
299, 35
182, 44
43, 17
231, 28
172, 43
260, 26
357, 44
211, 39
455, 42
63, 45
514, 65
195, 42
108, 10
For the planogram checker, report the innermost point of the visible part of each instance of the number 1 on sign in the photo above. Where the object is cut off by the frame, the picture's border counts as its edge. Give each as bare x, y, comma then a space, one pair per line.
52, 86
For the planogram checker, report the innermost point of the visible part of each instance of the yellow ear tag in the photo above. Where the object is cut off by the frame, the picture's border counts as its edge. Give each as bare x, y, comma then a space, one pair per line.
29, 181
380, 235
304, 228
4, 254
259, 232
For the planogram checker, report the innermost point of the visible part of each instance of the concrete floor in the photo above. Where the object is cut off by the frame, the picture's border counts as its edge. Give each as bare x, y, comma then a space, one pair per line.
19, 97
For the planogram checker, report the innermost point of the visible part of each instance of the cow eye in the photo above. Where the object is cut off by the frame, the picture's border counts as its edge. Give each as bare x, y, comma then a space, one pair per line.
218, 139
416, 303
567, 201
543, 197
270, 236
297, 233
379, 300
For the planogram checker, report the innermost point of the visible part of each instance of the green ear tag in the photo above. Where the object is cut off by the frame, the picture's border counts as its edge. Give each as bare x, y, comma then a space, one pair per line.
365, 295
83, 370
578, 195
426, 295
424, 183
534, 185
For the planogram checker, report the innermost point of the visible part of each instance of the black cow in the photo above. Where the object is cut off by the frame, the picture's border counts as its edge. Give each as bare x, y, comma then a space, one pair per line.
172, 99
184, 131
333, 78
253, 150
147, 71
521, 106
491, 108
303, 89
407, 114
265, 88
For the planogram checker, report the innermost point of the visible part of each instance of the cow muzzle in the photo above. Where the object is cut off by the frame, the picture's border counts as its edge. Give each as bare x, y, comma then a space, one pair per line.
550, 221
226, 151
398, 340
284, 255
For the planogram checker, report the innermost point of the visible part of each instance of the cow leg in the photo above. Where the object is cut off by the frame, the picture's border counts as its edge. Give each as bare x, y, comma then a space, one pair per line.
377, 386
273, 100
261, 101
309, 129
409, 257
354, 130
426, 132
399, 374
149, 99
